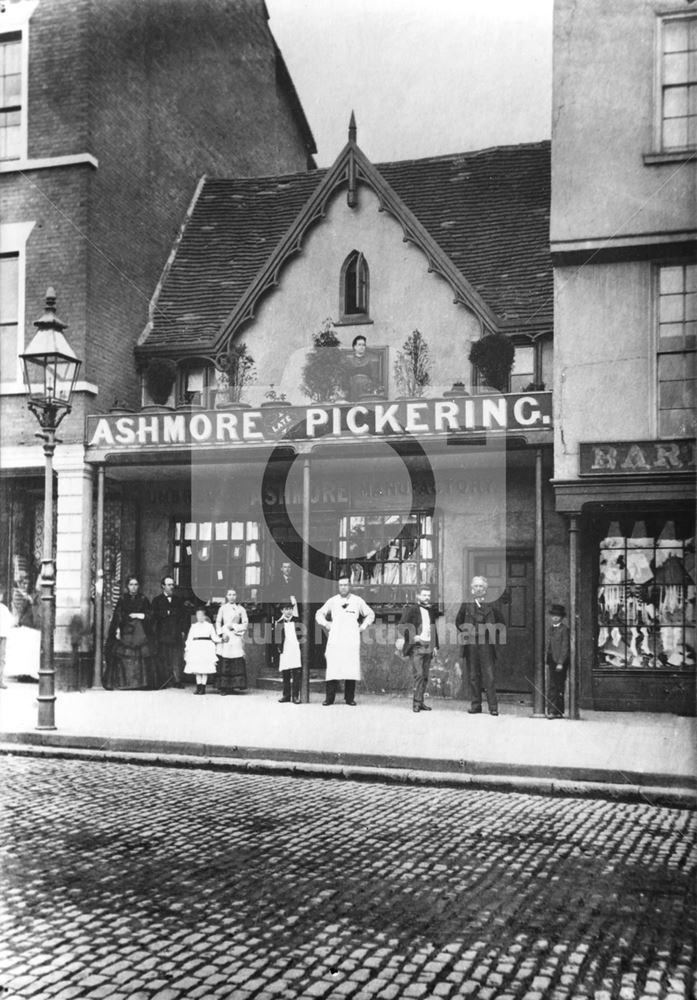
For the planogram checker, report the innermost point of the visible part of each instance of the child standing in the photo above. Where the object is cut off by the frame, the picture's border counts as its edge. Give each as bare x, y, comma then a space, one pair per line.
288, 645
199, 652
558, 658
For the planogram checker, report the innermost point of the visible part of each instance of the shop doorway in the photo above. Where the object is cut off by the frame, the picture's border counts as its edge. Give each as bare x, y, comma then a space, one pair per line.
510, 575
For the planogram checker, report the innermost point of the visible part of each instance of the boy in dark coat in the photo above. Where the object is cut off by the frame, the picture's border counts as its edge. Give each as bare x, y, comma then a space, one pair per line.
558, 658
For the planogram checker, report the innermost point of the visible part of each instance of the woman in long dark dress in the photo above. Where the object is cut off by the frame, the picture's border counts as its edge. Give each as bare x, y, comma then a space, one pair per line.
231, 625
128, 640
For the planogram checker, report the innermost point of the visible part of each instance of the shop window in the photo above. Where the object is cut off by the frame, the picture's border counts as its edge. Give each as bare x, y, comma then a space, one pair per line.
678, 84
9, 316
389, 556
354, 287
11, 96
646, 595
211, 557
677, 350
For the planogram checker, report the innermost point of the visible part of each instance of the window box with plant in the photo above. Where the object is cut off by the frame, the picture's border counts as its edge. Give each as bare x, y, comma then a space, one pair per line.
324, 371
159, 376
492, 357
235, 371
272, 398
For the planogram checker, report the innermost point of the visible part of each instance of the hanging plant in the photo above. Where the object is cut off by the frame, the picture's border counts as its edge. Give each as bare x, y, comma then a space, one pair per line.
492, 356
323, 373
412, 368
159, 374
236, 371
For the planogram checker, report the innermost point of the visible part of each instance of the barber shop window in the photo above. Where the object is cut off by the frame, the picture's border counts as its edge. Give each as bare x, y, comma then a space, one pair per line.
211, 557
389, 556
354, 287
646, 594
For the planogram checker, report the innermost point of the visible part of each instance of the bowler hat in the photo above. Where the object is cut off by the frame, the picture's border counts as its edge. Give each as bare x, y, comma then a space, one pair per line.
557, 609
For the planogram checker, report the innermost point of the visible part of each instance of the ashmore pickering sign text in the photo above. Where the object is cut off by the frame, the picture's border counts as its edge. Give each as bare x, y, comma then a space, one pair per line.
424, 417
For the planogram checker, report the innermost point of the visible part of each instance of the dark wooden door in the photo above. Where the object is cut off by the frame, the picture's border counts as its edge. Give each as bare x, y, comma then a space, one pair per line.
511, 575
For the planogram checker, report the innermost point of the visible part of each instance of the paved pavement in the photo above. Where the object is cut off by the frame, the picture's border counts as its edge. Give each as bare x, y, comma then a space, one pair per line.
175, 884
632, 755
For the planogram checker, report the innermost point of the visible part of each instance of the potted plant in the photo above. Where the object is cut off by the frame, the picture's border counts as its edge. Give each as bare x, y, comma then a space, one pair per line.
236, 370
492, 356
323, 373
159, 375
274, 398
412, 368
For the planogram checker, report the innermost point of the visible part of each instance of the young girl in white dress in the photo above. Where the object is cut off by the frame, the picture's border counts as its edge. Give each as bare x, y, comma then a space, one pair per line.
200, 650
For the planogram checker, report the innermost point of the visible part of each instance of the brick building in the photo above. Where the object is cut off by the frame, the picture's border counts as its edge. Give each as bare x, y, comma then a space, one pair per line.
110, 113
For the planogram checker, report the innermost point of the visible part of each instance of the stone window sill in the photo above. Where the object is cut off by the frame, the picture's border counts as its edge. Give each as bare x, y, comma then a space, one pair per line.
674, 156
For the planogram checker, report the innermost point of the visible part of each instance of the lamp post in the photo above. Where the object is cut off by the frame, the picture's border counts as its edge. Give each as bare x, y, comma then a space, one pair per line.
50, 371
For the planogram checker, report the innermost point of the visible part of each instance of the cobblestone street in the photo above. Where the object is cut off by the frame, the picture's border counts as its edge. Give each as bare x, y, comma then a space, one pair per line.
126, 881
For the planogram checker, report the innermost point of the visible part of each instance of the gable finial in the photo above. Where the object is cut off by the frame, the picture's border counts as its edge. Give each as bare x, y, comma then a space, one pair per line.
352, 128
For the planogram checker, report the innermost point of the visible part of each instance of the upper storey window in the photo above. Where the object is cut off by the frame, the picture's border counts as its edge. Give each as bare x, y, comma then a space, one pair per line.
677, 350
678, 68
11, 131
354, 286
9, 316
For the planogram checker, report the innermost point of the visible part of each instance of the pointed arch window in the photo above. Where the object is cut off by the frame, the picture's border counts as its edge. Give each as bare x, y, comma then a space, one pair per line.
354, 286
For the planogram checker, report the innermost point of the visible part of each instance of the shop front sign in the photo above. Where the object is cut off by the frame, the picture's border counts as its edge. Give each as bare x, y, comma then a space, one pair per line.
423, 418
632, 457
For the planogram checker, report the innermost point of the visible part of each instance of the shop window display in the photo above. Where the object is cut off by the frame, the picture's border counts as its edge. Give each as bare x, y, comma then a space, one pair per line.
389, 555
646, 595
212, 556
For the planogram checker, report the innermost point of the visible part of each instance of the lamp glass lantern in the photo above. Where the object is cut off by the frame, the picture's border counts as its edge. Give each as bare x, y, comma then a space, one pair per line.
50, 370
50, 366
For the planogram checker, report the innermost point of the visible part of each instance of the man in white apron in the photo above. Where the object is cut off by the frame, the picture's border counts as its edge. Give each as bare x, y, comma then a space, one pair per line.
344, 617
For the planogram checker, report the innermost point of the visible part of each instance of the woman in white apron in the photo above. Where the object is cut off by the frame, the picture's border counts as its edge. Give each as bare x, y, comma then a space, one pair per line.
231, 625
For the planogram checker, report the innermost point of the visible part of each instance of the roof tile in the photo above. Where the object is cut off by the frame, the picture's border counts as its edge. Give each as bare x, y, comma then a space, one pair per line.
487, 210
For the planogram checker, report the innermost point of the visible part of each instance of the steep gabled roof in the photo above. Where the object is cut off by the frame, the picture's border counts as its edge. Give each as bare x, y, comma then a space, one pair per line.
481, 218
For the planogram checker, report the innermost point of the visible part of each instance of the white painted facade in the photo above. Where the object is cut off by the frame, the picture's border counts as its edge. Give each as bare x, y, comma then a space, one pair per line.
404, 296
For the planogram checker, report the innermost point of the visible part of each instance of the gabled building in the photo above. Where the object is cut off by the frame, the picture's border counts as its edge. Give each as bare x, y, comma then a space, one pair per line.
624, 248
397, 486
109, 115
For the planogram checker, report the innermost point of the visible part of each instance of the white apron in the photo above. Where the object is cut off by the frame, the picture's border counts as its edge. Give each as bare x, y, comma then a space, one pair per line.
343, 653
231, 622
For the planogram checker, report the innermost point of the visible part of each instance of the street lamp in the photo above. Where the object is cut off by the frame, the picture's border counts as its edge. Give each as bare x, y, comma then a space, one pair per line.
50, 371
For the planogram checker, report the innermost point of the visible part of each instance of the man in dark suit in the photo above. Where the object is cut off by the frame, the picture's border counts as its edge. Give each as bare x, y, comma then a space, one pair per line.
418, 630
479, 624
170, 623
